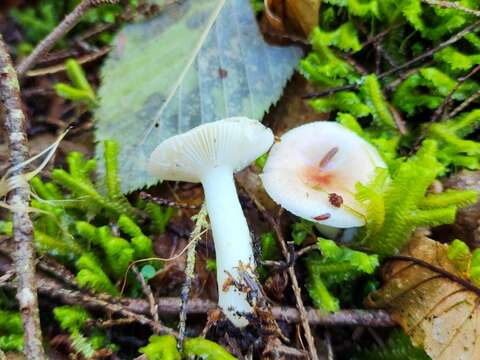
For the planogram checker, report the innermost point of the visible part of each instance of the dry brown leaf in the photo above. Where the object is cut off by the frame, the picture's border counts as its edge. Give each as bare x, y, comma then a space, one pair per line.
292, 18
439, 314
303, 14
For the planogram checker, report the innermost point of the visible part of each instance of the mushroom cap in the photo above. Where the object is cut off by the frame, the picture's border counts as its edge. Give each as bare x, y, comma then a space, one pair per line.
313, 170
233, 142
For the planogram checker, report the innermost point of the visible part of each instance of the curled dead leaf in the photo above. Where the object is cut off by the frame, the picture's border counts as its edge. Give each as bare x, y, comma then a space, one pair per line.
439, 314
303, 14
292, 18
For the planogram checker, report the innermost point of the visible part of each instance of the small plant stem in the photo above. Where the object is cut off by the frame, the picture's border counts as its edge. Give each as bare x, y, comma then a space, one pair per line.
432, 51
19, 200
63, 28
303, 316
165, 202
200, 224
147, 291
328, 343
452, 5
463, 105
439, 113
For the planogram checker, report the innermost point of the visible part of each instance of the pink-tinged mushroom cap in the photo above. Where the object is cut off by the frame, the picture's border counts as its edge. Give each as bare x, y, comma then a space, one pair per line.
313, 170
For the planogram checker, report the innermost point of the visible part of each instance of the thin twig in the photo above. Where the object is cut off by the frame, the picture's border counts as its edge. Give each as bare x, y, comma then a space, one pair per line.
165, 202
48, 70
380, 35
296, 290
58, 271
101, 302
306, 250
200, 224
452, 5
405, 65
330, 91
7, 277
19, 200
458, 36
169, 306
467, 285
293, 278
441, 109
63, 28
464, 104
136, 309
147, 291
328, 343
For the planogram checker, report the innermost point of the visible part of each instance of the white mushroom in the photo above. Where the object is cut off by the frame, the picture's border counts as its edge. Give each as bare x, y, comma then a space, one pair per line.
210, 154
313, 170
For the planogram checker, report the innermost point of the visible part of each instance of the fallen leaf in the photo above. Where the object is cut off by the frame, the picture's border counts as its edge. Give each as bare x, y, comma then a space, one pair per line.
198, 61
303, 14
439, 314
292, 18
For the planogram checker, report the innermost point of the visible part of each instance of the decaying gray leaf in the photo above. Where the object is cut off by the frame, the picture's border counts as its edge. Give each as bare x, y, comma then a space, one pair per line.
199, 61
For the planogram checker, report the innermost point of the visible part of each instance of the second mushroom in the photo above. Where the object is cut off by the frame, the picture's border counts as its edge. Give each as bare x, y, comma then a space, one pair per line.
313, 170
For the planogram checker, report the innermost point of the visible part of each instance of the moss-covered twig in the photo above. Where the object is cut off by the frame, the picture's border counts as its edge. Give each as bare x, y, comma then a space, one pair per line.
19, 201
200, 224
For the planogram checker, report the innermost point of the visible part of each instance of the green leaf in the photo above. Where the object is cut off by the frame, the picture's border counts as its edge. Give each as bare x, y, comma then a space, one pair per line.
475, 267
301, 230
10, 322
12, 342
205, 349
92, 276
344, 37
269, 246
6, 228
261, 161
71, 318
371, 92
153, 89
454, 149
459, 254
456, 59
160, 216
325, 68
335, 266
77, 76
161, 348
341, 101
148, 272
70, 93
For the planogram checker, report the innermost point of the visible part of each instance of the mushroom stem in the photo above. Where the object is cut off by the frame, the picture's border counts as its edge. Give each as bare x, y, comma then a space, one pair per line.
233, 243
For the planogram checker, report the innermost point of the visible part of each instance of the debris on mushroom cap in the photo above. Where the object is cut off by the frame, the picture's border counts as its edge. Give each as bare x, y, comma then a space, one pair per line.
234, 142
313, 170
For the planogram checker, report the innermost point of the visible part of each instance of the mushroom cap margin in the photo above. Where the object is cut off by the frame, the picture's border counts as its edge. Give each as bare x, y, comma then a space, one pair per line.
234, 142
